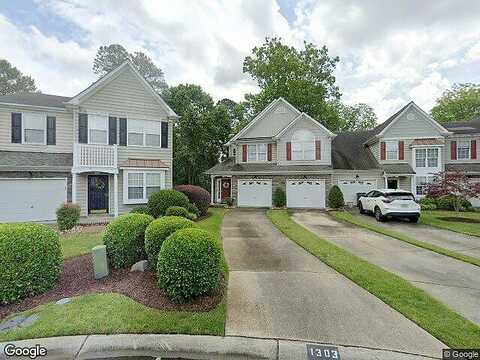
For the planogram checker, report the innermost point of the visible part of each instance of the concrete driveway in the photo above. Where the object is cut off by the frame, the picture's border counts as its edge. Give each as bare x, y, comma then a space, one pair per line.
451, 281
278, 290
469, 245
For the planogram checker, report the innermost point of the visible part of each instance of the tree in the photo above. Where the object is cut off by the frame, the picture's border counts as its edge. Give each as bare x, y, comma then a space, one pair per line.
240, 114
13, 81
303, 77
111, 56
356, 117
199, 134
456, 184
461, 103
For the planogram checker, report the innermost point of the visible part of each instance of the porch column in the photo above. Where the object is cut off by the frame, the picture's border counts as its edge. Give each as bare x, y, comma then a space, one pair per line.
74, 188
212, 179
115, 195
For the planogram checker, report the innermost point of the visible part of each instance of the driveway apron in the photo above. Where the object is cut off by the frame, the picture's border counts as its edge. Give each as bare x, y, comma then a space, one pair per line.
276, 289
453, 282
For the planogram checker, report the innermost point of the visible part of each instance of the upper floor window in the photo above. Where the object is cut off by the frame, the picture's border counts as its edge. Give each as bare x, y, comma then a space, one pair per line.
143, 133
97, 129
303, 145
463, 150
257, 152
426, 158
391, 150
34, 128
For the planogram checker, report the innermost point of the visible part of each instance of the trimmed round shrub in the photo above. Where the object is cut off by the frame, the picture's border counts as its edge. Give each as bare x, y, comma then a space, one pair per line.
68, 215
140, 210
335, 197
30, 260
160, 201
189, 264
158, 231
124, 239
196, 195
192, 208
279, 198
192, 216
177, 211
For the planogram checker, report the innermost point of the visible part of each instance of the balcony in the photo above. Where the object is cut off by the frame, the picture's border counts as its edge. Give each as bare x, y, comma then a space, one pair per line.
88, 157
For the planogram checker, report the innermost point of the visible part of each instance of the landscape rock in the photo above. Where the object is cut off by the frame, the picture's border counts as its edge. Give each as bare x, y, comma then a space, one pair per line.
63, 301
141, 265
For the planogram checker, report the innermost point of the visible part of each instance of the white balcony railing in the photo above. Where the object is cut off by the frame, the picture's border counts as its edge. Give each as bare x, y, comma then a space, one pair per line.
94, 156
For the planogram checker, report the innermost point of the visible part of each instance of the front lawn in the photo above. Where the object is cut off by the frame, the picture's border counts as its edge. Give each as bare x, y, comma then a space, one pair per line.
414, 303
81, 242
110, 313
437, 218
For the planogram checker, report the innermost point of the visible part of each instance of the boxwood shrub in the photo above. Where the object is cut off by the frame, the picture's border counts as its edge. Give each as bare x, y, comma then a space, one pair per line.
196, 195
335, 197
189, 264
279, 198
68, 215
192, 208
158, 231
140, 210
177, 211
30, 260
160, 201
124, 239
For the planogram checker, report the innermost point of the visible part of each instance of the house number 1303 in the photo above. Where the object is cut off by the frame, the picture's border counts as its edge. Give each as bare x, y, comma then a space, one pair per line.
316, 352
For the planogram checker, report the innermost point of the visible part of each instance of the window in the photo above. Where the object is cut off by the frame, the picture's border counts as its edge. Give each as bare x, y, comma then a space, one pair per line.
432, 157
262, 152
143, 133
391, 150
257, 152
422, 183
252, 153
303, 145
426, 158
139, 185
463, 150
420, 156
97, 129
34, 128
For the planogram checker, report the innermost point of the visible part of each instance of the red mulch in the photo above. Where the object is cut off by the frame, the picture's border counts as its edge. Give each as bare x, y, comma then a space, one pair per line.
77, 279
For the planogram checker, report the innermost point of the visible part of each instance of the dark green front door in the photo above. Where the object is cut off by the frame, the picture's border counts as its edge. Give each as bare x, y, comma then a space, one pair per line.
97, 194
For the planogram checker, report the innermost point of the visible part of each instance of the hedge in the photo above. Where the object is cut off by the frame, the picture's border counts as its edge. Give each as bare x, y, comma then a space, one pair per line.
196, 195
177, 211
161, 200
68, 215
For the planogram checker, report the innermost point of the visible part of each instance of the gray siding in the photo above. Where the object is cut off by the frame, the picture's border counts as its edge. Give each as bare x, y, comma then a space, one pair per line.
448, 155
418, 126
239, 154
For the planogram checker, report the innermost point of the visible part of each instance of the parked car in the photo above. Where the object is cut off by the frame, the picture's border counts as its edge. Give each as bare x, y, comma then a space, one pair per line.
390, 203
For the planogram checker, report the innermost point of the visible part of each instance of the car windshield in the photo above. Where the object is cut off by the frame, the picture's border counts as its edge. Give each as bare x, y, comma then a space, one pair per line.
400, 196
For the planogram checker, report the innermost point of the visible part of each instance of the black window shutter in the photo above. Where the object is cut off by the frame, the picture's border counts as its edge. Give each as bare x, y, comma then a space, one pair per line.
51, 130
83, 128
123, 132
112, 130
16, 128
164, 134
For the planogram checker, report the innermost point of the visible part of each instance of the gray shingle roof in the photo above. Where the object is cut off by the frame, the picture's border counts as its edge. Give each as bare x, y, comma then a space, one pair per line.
350, 153
229, 166
463, 127
34, 160
470, 167
402, 168
35, 99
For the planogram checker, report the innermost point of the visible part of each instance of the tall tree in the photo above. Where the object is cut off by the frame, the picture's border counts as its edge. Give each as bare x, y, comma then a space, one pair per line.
111, 56
199, 134
13, 81
461, 103
303, 77
239, 113
356, 117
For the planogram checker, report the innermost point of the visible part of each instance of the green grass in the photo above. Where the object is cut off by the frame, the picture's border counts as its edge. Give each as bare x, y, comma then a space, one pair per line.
432, 218
414, 303
117, 314
81, 243
357, 220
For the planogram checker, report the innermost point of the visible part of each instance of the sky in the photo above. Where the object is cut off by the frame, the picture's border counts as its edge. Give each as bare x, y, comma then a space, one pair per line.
390, 52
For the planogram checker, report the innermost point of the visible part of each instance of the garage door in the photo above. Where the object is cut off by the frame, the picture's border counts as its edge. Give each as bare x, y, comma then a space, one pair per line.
350, 188
308, 193
31, 199
255, 193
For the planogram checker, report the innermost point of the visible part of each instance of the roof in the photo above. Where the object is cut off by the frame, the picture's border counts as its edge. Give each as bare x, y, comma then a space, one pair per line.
229, 166
350, 153
34, 161
144, 163
35, 99
470, 167
379, 128
401, 168
464, 127
418, 142
303, 116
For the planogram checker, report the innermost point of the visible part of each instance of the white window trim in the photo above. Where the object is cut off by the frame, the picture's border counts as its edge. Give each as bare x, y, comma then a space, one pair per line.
302, 145
106, 116
44, 115
144, 200
425, 163
386, 150
469, 144
256, 153
145, 134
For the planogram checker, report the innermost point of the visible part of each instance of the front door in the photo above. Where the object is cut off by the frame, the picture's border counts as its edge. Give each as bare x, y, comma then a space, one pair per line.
392, 184
97, 194
225, 189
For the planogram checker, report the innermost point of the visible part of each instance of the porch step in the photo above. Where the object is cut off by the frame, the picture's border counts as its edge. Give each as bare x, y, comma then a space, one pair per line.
96, 219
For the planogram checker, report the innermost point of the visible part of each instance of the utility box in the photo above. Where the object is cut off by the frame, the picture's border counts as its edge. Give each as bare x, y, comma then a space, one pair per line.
100, 264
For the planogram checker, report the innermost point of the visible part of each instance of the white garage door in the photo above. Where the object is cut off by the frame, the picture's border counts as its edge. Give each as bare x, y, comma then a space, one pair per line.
309, 193
255, 193
350, 188
31, 199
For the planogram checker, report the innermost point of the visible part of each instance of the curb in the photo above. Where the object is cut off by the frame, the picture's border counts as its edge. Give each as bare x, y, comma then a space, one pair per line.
87, 347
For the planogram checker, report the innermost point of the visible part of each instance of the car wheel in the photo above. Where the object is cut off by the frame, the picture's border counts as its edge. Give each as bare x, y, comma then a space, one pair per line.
360, 208
414, 219
378, 215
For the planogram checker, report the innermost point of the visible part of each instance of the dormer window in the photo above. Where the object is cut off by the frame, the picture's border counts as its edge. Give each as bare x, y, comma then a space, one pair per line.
303, 145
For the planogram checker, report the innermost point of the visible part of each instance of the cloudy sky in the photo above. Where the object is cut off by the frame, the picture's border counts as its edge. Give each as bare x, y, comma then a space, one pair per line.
391, 51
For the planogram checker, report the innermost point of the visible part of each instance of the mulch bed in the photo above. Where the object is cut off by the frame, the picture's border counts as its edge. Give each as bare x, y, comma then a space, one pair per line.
77, 279
460, 219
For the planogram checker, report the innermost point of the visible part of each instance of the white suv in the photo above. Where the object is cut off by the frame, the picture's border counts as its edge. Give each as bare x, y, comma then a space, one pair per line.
389, 203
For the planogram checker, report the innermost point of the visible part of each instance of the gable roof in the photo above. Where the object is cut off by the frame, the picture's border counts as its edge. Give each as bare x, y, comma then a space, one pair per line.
303, 116
464, 127
35, 99
349, 151
107, 78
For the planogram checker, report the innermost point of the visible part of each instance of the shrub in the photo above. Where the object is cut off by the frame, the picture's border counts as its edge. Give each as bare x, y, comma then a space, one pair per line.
189, 264
192, 208
161, 200
447, 202
30, 260
158, 231
196, 195
279, 198
140, 210
192, 216
335, 197
428, 203
177, 211
428, 206
229, 201
124, 239
68, 215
